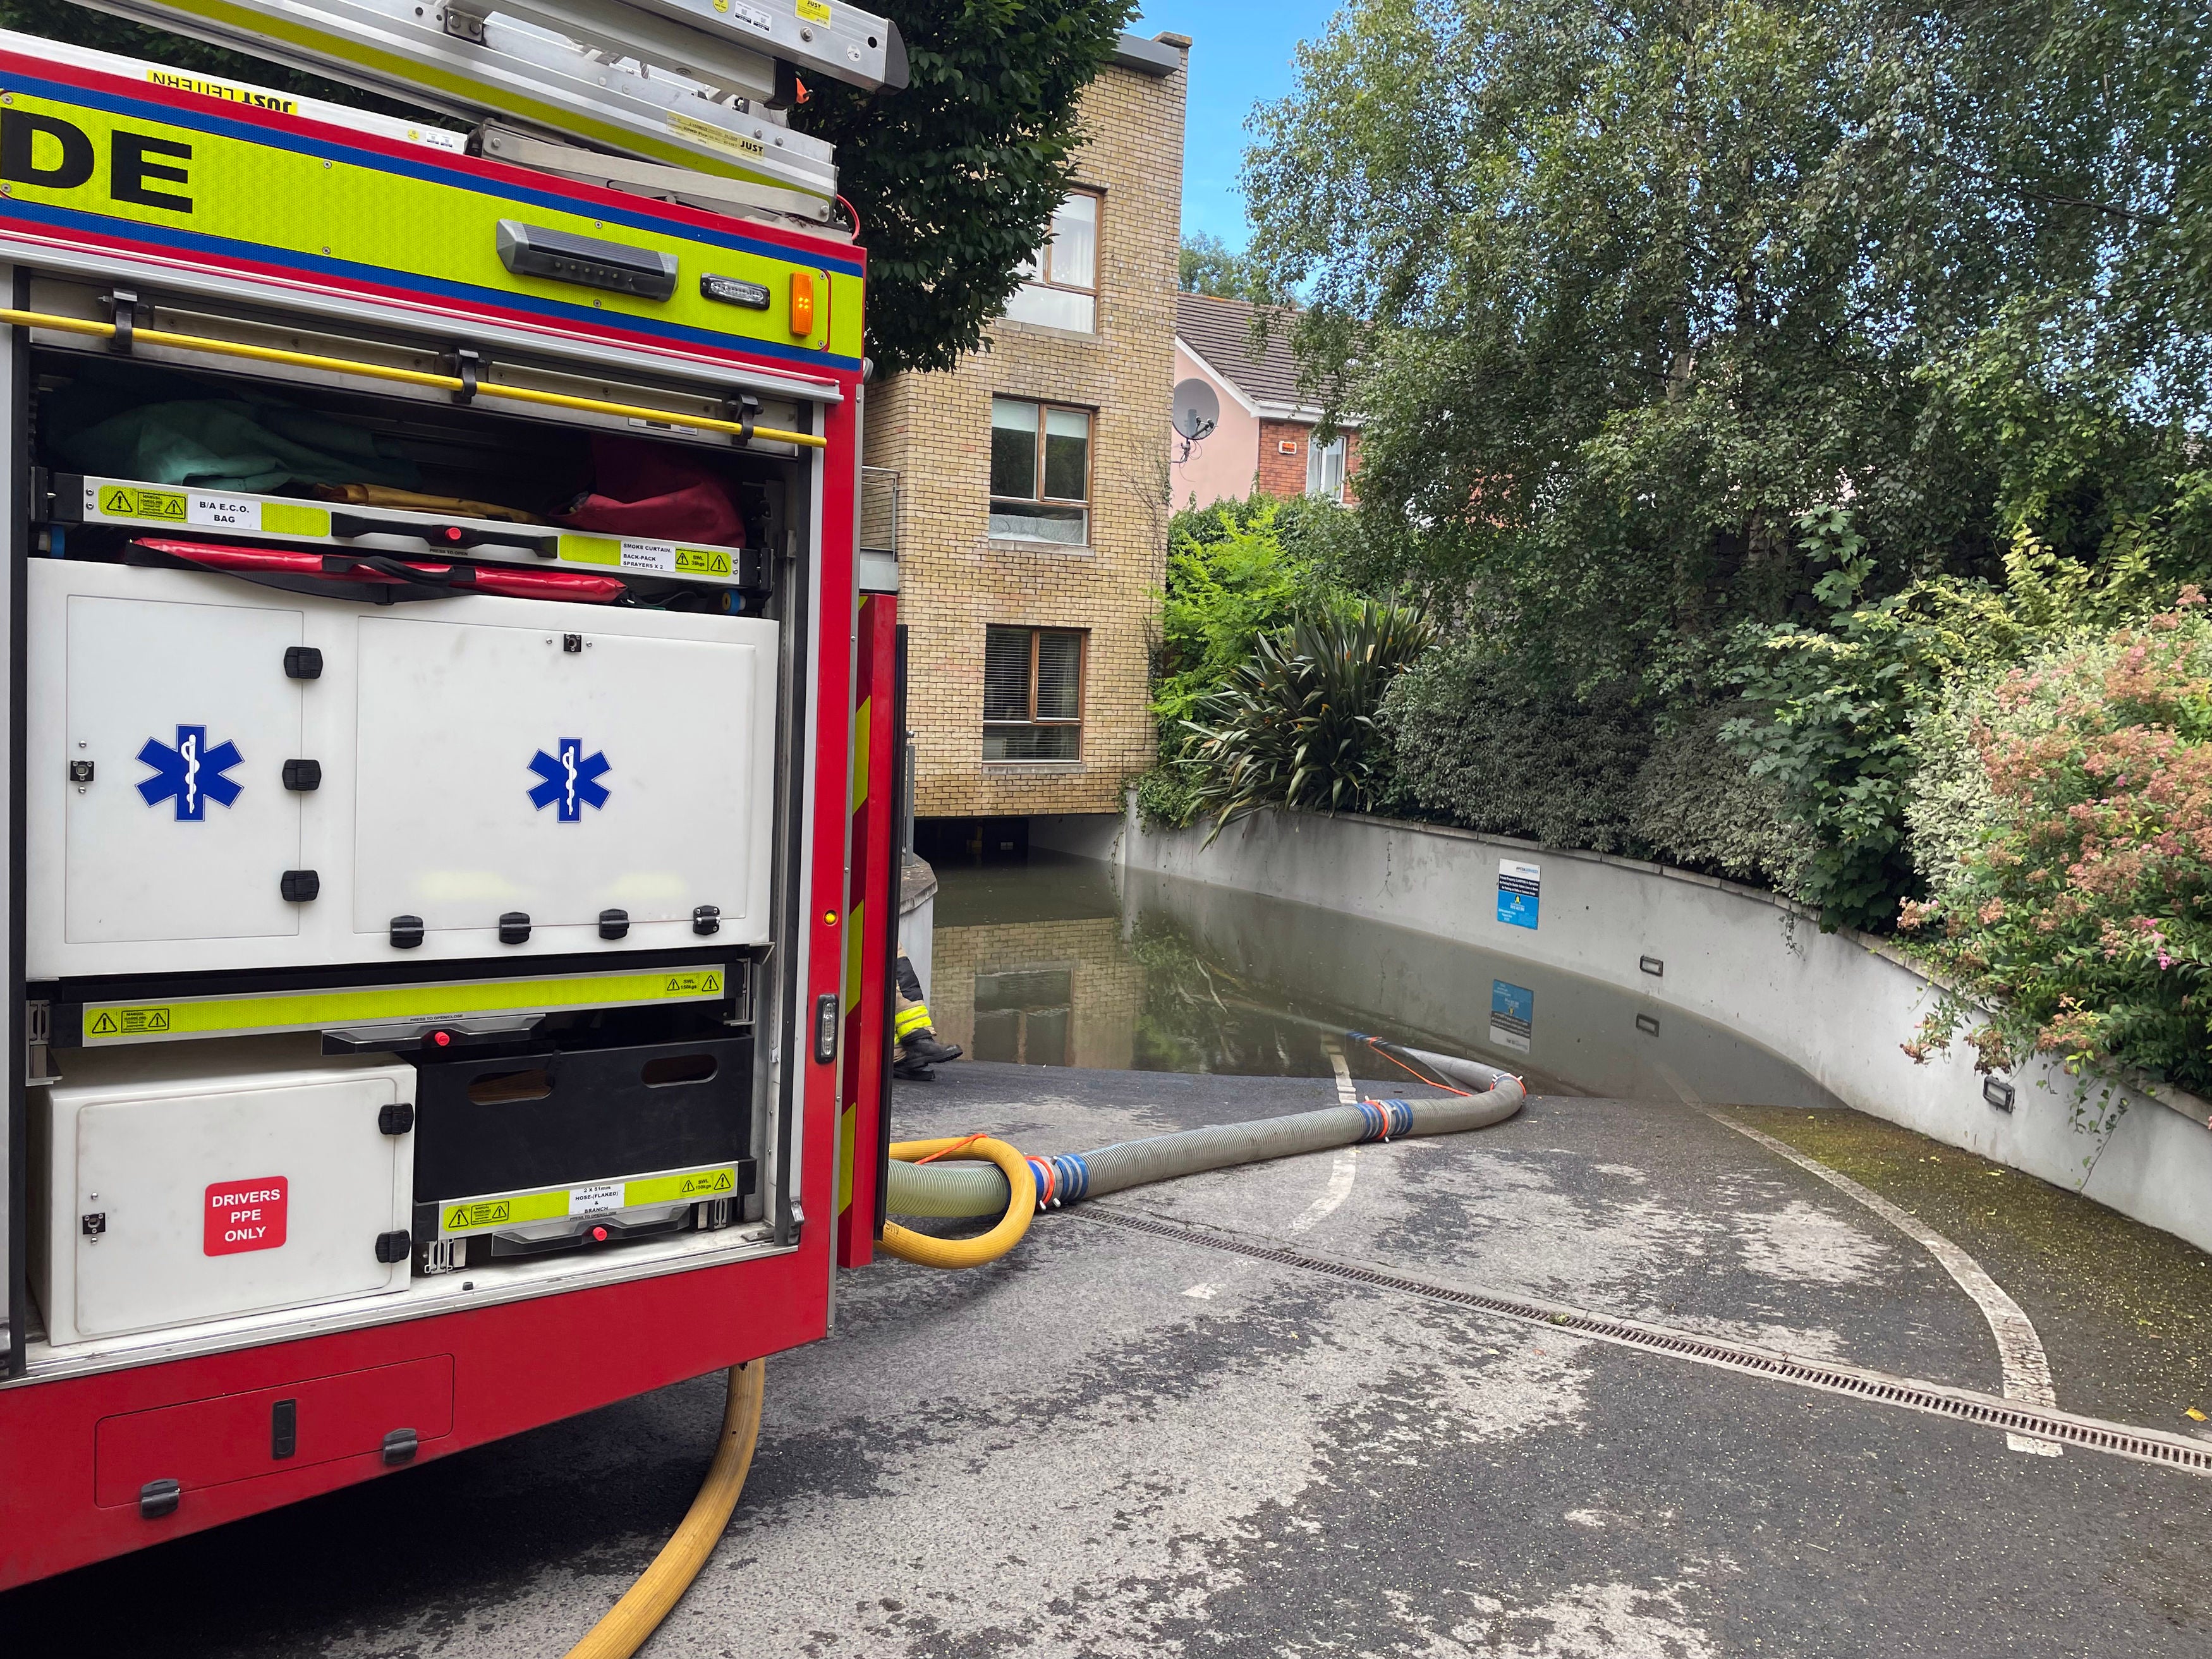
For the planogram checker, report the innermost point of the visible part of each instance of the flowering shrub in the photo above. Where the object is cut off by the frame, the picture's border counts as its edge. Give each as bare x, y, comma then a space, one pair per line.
2084, 907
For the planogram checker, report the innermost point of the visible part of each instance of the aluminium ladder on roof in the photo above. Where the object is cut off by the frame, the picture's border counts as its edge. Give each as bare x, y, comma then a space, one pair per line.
695, 84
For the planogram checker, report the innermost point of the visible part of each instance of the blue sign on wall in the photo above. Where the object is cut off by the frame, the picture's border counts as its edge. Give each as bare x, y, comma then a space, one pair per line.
1512, 1015
1519, 888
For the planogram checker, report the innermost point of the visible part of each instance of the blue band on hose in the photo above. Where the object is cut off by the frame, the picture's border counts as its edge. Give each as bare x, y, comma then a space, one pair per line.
1385, 1118
1060, 1179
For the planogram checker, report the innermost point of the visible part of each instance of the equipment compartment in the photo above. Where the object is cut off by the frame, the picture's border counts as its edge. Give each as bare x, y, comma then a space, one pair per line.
571, 1128
557, 774
179, 720
439, 818
235, 1178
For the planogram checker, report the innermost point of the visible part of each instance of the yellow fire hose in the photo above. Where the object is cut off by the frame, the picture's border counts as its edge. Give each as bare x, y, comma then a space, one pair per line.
649, 1601
928, 1252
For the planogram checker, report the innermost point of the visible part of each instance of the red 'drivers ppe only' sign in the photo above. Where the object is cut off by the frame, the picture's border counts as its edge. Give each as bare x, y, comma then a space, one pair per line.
245, 1215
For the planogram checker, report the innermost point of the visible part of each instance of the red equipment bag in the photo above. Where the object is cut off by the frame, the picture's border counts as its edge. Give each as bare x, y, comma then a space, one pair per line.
376, 569
641, 490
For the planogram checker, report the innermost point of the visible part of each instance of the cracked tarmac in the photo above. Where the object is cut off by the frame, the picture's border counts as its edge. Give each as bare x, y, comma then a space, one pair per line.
1115, 1443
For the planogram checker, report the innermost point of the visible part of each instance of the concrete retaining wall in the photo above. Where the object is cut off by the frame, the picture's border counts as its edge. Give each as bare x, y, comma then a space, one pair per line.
1832, 1004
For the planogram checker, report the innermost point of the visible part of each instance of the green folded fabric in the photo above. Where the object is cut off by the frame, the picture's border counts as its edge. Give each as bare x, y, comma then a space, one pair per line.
218, 443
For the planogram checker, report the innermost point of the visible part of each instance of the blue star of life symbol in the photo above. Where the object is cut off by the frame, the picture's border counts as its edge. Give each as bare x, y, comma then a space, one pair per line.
571, 780
191, 774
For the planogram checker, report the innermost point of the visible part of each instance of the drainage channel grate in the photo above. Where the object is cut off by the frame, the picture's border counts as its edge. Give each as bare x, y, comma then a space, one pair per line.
1937, 1399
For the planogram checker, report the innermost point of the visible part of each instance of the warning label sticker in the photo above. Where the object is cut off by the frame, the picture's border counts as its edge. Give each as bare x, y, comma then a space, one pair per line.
125, 1022
751, 16
129, 502
462, 1217
702, 561
670, 1189
706, 982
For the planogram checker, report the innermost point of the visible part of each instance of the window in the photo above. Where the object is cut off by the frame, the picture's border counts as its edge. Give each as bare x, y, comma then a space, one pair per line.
1061, 285
1325, 468
1032, 694
1040, 472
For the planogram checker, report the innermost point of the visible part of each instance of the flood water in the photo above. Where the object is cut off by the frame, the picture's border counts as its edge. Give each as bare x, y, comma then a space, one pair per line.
1069, 962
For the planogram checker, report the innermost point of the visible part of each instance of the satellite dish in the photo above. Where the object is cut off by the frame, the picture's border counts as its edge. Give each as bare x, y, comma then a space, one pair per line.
1197, 410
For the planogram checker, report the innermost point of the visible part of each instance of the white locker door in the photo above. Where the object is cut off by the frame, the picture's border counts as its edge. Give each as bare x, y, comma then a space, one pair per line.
501, 770
229, 1203
185, 829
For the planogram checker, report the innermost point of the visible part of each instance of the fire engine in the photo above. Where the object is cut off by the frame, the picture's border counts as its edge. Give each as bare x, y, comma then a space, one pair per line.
449, 741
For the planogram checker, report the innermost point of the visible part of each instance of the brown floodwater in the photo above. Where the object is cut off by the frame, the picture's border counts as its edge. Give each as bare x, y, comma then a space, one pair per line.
1062, 961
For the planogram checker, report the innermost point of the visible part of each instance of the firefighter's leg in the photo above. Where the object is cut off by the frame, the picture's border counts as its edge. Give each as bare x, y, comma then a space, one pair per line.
919, 1049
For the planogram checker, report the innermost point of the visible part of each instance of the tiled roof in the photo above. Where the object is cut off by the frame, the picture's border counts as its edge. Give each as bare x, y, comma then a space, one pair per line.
1220, 331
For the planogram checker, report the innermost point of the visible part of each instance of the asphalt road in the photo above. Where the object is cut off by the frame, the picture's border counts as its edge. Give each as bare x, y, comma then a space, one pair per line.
1115, 1444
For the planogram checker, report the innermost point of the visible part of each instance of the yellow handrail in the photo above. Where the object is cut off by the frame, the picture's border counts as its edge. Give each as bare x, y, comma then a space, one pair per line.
405, 376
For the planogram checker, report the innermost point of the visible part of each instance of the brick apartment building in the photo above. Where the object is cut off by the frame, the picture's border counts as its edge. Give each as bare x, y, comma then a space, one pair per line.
1263, 442
1031, 505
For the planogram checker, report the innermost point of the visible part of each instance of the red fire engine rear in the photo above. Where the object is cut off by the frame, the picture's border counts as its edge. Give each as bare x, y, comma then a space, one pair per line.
432, 620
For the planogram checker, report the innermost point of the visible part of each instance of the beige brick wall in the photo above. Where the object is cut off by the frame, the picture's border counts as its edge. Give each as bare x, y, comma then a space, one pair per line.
935, 431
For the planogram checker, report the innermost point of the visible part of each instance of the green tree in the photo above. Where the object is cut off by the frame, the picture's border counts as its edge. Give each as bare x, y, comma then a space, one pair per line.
1207, 265
955, 179
1628, 294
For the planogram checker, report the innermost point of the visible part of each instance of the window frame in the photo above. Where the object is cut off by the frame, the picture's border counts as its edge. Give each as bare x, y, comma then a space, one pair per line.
1043, 255
1047, 282
1317, 456
1045, 410
1036, 631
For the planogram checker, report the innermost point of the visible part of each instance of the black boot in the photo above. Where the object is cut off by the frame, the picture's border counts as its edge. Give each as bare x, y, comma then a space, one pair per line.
923, 1049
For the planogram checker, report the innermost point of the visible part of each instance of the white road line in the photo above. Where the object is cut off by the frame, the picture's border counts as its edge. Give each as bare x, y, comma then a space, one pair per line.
1346, 1167
1341, 1174
2027, 1369
1345, 1094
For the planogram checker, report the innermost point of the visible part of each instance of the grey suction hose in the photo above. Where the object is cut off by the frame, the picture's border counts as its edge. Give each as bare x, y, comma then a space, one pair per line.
976, 1189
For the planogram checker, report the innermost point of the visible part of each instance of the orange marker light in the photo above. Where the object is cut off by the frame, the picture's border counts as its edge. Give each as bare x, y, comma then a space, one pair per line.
802, 302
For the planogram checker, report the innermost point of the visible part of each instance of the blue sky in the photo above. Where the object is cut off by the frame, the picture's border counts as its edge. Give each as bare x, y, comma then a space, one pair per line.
1240, 54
